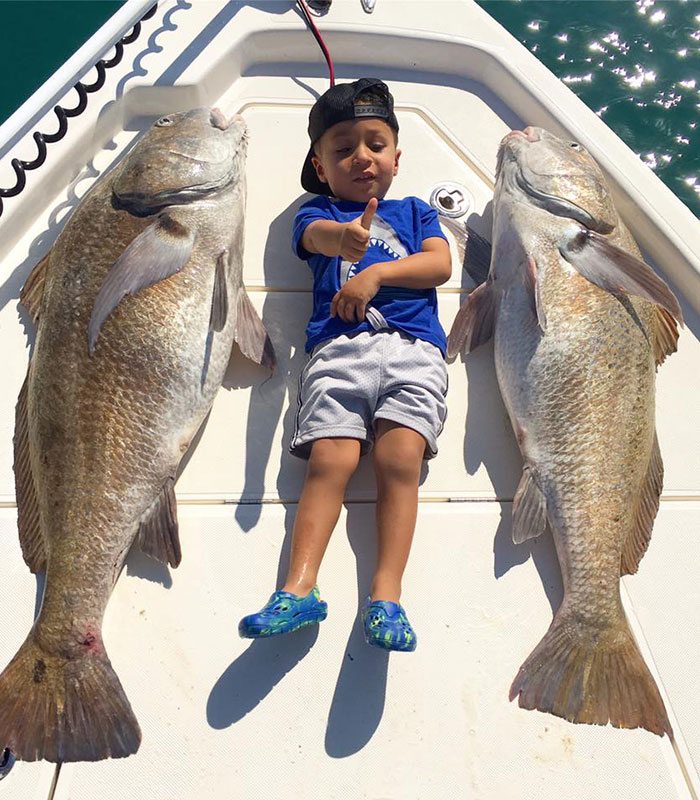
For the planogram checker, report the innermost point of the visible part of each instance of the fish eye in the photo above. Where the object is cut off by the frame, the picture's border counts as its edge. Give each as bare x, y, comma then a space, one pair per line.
164, 122
575, 145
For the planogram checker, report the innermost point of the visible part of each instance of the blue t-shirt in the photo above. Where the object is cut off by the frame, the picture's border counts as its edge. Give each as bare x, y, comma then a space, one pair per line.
398, 229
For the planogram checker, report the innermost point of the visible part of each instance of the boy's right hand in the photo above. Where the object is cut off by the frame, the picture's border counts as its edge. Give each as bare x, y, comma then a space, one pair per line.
354, 236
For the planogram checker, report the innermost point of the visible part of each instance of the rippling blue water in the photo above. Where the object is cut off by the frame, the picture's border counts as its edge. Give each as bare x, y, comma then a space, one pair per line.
634, 62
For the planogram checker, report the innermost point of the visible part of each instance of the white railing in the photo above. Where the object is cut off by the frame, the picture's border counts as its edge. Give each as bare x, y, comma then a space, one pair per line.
71, 72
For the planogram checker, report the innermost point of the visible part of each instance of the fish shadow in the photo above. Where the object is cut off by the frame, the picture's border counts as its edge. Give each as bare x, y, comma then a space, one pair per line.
267, 399
489, 440
139, 565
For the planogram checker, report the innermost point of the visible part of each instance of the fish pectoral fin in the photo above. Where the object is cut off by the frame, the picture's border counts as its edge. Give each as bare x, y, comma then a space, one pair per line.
473, 249
219, 298
474, 322
534, 286
32, 293
159, 535
529, 509
31, 538
251, 335
615, 270
158, 252
637, 541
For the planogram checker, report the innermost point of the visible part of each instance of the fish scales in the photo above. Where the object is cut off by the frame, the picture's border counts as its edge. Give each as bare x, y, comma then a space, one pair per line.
129, 355
578, 325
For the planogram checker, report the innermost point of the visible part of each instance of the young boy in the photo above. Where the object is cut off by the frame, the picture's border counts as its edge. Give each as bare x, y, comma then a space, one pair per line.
376, 375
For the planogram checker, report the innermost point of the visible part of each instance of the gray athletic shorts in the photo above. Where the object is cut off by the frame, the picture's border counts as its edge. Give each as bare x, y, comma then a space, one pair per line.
350, 382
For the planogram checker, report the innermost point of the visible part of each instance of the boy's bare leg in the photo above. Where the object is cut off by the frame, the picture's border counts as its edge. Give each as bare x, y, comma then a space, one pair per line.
398, 455
331, 465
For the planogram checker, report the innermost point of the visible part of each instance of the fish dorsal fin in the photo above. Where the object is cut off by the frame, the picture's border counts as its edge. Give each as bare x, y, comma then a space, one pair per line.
251, 335
219, 298
529, 509
473, 249
665, 335
32, 293
474, 322
639, 536
159, 251
159, 535
615, 270
31, 538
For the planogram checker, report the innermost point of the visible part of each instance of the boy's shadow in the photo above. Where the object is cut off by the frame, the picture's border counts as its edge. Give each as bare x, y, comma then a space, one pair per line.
360, 693
255, 673
358, 700
489, 440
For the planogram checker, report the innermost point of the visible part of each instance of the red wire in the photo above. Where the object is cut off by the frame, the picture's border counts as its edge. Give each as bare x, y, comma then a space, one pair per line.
319, 39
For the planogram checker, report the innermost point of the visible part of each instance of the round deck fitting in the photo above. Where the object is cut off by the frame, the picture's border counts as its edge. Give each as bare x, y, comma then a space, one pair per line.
451, 199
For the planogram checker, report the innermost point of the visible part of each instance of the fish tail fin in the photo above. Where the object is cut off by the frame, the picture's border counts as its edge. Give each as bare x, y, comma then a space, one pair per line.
61, 709
595, 682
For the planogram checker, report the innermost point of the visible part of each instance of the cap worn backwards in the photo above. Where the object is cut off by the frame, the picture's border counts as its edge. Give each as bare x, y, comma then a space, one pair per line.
339, 104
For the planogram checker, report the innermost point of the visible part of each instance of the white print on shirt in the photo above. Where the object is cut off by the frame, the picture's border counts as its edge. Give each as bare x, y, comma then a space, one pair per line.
381, 235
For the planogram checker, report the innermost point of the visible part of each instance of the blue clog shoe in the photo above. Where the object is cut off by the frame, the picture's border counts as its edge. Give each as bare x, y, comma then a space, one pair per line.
284, 613
387, 626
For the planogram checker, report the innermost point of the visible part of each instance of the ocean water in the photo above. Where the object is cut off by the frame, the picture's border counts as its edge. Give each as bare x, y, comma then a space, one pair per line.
636, 63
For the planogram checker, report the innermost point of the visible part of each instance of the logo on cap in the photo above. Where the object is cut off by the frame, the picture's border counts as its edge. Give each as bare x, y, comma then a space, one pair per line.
362, 110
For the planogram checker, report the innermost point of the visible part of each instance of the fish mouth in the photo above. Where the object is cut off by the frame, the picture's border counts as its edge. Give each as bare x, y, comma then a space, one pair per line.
559, 206
218, 119
529, 133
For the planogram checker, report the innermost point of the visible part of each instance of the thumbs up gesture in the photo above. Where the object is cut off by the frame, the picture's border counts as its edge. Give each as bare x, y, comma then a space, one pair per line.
354, 237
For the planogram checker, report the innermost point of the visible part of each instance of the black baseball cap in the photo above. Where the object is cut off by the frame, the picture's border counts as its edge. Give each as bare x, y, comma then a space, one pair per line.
338, 105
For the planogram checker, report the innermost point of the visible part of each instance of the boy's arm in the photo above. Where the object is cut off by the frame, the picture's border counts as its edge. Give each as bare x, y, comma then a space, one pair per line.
347, 239
424, 270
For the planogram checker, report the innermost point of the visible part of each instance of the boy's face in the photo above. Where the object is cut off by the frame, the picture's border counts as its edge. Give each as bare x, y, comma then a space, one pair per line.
357, 159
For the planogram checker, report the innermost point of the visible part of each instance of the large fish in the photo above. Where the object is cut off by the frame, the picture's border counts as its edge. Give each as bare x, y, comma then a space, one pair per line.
580, 323
137, 305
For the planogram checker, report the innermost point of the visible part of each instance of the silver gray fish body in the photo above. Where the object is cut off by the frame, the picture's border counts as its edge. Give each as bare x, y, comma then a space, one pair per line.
137, 306
580, 323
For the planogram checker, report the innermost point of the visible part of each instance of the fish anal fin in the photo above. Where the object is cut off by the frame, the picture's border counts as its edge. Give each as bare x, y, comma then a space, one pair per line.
251, 335
615, 270
665, 335
32, 293
639, 536
529, 509
474, 322
28, 518
159, 251
219, 298
158, 535
593, 679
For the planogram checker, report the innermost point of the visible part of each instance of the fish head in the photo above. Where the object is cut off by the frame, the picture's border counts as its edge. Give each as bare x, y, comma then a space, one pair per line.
182, 158
555, 174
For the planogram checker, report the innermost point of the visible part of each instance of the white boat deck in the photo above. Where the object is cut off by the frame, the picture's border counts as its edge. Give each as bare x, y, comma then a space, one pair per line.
319, 714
